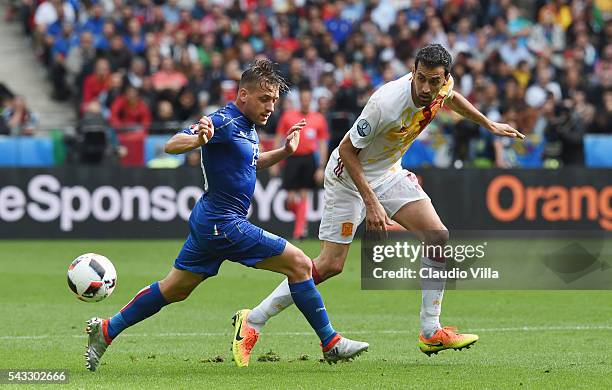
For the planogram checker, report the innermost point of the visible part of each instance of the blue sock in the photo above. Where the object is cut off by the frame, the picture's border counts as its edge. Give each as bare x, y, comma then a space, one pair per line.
147, 302
309, 301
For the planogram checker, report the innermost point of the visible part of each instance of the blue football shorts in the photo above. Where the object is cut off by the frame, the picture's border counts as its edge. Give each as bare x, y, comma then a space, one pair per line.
235, 240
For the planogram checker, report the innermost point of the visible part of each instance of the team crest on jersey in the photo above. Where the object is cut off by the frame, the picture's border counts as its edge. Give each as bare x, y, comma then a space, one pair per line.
347, 229
363, 128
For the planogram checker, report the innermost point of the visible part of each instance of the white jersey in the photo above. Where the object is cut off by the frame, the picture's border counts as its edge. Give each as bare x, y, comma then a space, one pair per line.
386, 128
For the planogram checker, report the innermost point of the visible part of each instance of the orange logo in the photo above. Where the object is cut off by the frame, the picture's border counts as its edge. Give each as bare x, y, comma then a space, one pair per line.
347, 229
553, 203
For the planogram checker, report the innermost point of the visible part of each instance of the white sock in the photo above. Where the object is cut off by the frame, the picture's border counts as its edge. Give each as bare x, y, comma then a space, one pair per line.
432, 291
277, 301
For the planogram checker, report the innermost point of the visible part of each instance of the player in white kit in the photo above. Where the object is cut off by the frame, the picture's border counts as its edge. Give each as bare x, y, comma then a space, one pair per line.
364, 179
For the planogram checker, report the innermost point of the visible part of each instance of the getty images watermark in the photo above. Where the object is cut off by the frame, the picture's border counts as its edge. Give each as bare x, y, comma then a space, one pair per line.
508, 260
413, 253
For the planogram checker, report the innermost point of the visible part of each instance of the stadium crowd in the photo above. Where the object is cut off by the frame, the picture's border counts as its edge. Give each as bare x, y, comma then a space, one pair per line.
150, 66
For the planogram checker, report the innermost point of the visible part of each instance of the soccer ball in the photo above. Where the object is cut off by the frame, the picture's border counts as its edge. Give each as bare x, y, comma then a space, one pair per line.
92, 277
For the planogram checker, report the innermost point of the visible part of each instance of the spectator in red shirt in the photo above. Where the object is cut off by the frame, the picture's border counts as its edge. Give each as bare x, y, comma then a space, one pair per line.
129, 111
186, 22
303, 171
97, 82
285, 40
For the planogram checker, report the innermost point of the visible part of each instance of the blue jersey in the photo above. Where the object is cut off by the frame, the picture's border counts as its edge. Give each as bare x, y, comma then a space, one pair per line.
229, 165
218, 228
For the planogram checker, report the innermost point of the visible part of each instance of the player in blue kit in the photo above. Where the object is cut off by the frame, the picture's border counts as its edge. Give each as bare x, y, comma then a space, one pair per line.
219, 229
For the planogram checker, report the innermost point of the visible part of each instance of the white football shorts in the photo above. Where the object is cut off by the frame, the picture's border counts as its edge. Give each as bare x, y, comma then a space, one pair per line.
344, 210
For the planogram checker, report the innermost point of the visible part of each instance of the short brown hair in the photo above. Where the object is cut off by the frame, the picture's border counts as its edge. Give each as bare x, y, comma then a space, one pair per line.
434, 55
263, 73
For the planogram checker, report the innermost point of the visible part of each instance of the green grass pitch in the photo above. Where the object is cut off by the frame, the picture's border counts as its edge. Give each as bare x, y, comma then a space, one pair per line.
545, 339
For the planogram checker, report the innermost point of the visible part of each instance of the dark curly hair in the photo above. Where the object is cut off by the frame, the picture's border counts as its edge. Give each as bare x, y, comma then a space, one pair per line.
434, 55
263, 73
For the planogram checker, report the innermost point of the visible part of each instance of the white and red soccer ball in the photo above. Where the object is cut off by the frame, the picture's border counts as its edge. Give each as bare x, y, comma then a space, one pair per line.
92, 277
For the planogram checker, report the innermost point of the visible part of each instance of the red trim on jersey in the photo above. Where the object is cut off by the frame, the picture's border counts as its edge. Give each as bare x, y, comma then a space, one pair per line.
339, 167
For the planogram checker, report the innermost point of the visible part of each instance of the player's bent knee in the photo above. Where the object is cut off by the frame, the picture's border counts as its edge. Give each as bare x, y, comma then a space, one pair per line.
301, 266
438, 237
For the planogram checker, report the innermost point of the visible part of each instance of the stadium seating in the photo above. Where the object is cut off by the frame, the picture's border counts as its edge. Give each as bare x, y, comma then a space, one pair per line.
521, 65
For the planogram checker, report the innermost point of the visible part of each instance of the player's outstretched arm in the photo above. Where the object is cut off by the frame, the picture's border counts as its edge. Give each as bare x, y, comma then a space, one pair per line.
182, 143
463, 107
267, 159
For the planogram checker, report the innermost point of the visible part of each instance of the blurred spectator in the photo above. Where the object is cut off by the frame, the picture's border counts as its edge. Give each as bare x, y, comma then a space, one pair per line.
6, 96
95, 22
536, 94
171, 11
383, 14
129, 111
186, 106
92, 119
167, 78
284, 39
137, 73
566, 130
135, 39
206, 49
49, 12
603, 68
602, 123
147, 92
546, 37
80, 60
199, 83
114, 90
18, 117
193, 159
96, 142
102, 41
118, 54
522, 74
164, 118
312, 66
61, 45
174, 49
512, 53
97, 82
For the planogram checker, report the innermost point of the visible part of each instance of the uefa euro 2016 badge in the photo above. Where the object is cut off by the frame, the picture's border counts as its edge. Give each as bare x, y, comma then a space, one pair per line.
363, 128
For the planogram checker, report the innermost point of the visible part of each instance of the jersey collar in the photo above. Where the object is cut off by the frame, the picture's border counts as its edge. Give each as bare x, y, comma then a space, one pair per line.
235, 111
